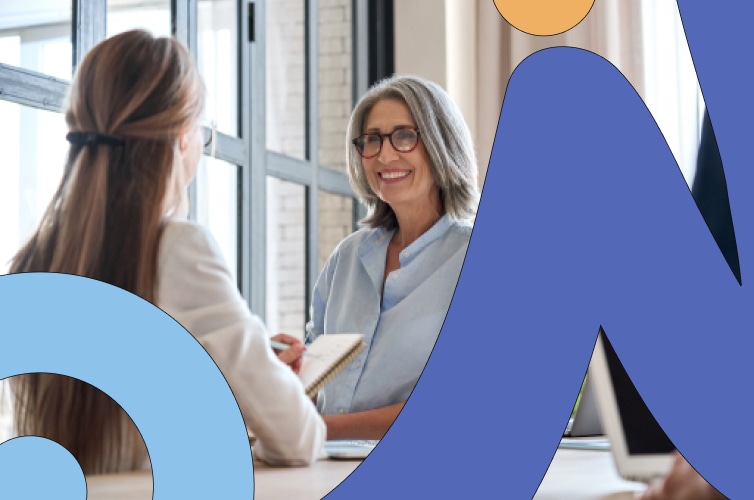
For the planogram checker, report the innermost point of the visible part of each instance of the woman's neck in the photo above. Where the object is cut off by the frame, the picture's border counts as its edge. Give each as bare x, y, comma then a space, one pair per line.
412, 225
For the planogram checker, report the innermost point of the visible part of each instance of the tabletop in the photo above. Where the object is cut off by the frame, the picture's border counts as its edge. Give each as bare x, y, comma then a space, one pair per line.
270, 483
585, 475
572, 475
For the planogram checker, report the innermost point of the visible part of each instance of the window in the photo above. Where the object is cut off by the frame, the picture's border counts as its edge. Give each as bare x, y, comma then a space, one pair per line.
272, 188
32, 41
672, 90
308, 73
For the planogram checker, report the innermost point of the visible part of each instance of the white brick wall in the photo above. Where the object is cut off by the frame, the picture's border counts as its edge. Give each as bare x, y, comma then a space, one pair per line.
285, 257
335, 70
285, 77
335, 219
287, 311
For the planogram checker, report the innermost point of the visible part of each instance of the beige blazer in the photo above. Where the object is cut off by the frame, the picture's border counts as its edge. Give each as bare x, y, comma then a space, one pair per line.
196, 288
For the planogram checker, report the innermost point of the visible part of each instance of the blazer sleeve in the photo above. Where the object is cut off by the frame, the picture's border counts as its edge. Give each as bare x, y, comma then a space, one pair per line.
196, 288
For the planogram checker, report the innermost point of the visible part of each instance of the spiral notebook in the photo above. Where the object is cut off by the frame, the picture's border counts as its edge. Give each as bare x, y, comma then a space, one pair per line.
323, 359
326, 356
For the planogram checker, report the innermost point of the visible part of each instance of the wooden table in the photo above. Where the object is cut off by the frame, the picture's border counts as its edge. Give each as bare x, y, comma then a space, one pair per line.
270, 483
585, 475
302, 483
573, 475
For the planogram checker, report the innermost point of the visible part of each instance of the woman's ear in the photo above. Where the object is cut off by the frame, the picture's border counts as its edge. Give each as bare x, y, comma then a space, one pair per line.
183, 142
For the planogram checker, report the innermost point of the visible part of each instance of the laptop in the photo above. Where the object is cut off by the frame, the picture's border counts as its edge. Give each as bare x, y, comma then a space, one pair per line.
586, 419
349, 449
640, 448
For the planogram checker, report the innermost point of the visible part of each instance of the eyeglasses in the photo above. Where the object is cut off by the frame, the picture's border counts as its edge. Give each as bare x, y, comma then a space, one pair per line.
402, 139
208, 129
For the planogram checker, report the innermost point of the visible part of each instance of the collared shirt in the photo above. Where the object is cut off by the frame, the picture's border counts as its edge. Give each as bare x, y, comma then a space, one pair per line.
401, 333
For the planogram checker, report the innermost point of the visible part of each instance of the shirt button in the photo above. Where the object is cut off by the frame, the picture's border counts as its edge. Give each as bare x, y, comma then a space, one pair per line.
358, 364
406, 254
341, 412
395, 275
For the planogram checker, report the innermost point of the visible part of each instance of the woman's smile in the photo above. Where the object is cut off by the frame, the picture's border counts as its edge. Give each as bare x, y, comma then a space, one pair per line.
392, 176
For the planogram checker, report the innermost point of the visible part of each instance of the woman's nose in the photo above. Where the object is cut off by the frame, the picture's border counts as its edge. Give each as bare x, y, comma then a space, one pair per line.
387, 152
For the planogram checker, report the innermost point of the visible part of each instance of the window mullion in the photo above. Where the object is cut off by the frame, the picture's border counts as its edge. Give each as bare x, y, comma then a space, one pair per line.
89, 26
254, 181
360, 52
30, 88
312, 126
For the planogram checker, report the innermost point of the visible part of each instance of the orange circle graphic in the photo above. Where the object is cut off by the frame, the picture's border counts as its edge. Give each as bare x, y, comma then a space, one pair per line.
543, 17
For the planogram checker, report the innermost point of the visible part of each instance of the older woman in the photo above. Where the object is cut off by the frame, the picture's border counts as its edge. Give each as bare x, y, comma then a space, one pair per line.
411, 162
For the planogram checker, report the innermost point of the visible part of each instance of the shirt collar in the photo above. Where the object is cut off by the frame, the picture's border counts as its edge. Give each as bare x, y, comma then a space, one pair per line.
433, 233
380, 238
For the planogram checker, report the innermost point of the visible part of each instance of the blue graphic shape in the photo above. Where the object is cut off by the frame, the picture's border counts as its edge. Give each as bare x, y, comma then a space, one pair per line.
145, 361
720, 50
585, 221
35, 468
616, 241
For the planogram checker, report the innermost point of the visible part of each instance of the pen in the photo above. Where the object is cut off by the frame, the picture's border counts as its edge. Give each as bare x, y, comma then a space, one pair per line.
282, 347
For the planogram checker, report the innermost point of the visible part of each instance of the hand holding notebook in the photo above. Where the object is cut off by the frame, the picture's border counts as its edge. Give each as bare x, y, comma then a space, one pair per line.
326, 357
323, 359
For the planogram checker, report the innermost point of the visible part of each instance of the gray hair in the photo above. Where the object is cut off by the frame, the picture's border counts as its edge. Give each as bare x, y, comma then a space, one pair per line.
446, 138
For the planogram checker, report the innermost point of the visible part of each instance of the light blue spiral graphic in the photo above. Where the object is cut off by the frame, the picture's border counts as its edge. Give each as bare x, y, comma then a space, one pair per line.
145, 361
33, 467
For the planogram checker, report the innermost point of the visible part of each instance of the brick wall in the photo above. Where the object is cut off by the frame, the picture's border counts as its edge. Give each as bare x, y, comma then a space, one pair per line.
287, 310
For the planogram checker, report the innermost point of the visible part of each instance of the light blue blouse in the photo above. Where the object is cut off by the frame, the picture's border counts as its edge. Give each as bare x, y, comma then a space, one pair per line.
399, 335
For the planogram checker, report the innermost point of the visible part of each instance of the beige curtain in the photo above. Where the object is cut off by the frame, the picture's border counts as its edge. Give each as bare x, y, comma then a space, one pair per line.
612, 29
468, 47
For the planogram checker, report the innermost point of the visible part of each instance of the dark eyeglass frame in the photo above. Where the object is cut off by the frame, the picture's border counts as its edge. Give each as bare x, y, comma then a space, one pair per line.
209, 130
382, 137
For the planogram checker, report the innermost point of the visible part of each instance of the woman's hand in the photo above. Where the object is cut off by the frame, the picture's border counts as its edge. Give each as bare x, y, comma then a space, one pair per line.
681, 483
293, 356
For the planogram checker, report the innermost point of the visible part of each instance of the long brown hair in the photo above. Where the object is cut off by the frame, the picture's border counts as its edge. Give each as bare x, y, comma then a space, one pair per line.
105, 219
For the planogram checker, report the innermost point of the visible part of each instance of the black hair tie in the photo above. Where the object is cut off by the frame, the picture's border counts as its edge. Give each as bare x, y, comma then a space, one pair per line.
88, 138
